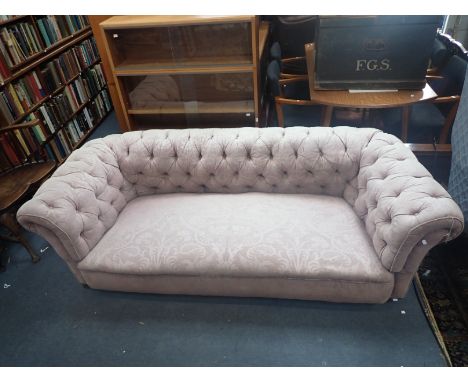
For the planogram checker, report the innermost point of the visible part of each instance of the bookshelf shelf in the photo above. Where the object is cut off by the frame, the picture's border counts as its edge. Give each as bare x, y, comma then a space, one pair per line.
62, 86
54, 93
139, 70
229, 107
12, 20
51, 49
170, 65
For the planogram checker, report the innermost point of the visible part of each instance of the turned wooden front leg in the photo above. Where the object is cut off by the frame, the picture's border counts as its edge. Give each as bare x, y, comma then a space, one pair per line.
8, 220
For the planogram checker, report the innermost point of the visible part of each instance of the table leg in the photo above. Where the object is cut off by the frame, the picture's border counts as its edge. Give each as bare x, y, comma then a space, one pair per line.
327, 116
405, 116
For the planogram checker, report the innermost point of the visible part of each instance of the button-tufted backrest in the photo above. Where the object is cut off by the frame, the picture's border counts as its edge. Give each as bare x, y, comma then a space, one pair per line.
315, 160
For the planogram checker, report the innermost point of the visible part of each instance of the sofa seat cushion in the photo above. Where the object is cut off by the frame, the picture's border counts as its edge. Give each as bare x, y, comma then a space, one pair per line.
248, 235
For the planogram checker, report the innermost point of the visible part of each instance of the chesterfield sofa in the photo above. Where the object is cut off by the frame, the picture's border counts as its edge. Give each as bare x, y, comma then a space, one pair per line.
336, 214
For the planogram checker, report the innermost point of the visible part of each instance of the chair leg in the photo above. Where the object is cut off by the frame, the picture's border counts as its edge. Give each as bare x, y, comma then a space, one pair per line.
279, 114
443, 137
9, 221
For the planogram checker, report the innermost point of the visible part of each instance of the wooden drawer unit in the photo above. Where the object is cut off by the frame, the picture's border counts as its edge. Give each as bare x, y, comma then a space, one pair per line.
185, 71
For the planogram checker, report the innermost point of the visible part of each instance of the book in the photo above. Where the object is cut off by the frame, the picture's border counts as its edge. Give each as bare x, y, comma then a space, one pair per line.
13, 54
47, 120
56, 79
77, 128
70, 25
19, 42
25, 38
60, 147
49, 152
64, 142
22, 142
39, 133
88, 117
56, 29
62, 25
47, 80
56, 151
69, 128
5, 111
4, 70
4, 53
42, 30
22, 96
33, 39
71, 98
9, 150
31, 142
39, 87
30, 87
17, 103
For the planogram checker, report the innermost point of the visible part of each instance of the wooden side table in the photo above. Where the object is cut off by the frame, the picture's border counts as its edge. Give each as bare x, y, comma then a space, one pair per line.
365, 100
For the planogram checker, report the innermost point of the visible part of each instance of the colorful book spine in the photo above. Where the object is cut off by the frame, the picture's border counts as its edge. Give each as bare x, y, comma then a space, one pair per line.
44, 34
18, 42
9, 150
66, 93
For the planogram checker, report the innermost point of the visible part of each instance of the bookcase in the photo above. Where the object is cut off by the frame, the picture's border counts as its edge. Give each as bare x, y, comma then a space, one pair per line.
186, 71
50, 70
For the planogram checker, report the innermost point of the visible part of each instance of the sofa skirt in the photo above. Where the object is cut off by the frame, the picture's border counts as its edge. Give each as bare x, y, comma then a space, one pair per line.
289, 288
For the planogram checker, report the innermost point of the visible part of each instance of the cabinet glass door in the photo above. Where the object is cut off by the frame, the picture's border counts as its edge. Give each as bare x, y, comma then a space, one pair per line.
198, 96
178, 46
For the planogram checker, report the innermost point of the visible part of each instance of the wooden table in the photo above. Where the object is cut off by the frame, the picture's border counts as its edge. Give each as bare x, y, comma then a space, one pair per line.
364, 100
373, 100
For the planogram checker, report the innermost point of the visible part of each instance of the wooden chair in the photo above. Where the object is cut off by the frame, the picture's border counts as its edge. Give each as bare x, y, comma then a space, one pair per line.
289, 91
24, 164
444, 65
431, 122
449, 86
290, 67
445, 46
282, 99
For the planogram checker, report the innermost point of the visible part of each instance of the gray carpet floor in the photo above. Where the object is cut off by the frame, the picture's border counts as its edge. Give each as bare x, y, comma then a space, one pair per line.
48, 319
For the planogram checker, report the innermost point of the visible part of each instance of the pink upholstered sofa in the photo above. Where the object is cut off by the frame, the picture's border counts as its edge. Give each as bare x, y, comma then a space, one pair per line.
336, 214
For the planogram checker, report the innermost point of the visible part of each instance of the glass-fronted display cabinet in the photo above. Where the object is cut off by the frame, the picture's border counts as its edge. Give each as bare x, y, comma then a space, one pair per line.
185, 71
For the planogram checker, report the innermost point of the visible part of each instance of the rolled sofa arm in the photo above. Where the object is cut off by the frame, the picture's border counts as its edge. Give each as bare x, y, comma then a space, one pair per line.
403, 207
75, 207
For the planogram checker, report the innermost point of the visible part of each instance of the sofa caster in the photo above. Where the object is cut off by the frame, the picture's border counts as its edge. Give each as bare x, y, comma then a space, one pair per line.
86, 286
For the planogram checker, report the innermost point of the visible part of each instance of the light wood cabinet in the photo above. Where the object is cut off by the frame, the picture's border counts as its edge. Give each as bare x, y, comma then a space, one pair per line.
186, 71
